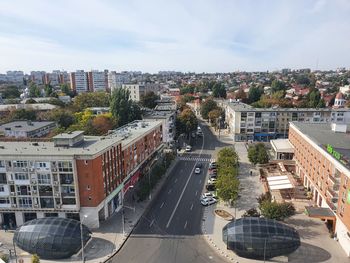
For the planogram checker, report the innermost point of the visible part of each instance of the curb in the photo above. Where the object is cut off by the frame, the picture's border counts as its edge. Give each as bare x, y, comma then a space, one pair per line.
155, 194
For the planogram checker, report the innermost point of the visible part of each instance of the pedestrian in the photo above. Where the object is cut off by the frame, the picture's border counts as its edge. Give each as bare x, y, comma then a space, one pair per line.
5, 228
251, 172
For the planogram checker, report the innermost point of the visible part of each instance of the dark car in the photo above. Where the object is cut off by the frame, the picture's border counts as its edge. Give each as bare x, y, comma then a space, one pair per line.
199, 165
210, 187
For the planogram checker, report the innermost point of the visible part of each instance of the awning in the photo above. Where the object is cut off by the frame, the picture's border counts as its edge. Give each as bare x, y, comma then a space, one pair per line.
319, 212
279, 182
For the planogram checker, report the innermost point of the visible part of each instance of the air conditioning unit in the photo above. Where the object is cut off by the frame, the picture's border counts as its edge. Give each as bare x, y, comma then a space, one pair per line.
14, 205
24, 169
35, 192
13, 193
11, 182
36, 206
57, 195
33, 182
31, 169
55, 182
54, 169
58, 206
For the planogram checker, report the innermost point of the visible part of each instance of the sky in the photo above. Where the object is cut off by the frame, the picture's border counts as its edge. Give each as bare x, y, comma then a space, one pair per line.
181, 35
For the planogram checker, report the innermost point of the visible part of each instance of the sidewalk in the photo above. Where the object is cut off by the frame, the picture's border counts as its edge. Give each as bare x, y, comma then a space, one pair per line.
316, 246
105, 241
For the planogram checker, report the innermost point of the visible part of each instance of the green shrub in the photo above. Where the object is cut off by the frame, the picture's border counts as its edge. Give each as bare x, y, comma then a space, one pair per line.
35, 258
252, 212
278, 211
4, 257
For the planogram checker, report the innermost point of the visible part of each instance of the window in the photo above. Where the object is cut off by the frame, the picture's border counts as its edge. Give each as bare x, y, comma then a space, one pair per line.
44, 178
3, 179
25, 202
2, 188
21, 176
20, 164
42, 165
4, 201
2, 164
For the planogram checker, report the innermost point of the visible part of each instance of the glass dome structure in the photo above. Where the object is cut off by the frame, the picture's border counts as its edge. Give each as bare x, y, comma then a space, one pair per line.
51, 237
254, 237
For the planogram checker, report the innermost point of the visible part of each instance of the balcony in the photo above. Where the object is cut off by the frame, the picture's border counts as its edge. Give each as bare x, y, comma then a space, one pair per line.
332, 192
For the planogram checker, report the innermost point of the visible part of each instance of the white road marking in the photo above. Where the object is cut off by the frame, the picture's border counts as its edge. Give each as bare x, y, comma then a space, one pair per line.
175, 180
150, 225
196, 193
183, 190
169, 191
161, 205
185, 225
200, 181
191, 207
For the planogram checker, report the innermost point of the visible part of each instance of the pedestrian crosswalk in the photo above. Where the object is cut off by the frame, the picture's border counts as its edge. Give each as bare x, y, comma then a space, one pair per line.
196, 159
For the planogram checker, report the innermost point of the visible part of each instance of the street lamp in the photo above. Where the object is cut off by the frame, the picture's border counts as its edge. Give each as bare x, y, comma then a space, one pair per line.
82, 238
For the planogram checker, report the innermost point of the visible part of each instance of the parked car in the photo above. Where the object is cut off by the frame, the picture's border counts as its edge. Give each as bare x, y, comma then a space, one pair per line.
193, 135
188, 148
212, 165
197, 170
208, 194
213, 176
211, 180
208, 201
199, 133
210, 187
199, 128
213, 171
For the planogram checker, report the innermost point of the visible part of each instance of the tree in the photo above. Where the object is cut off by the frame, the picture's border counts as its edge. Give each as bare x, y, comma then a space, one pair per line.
252, 212
277, 85
149, 100
219, 91
227, 188
186, 122
241, 95
314, 97
303, 80
35, 258
213, 116
64, 118
66, 90
258, 154
207, 106
123, 109
48, 90
34, 90
91, 99
277, 211
10, 92
254, 94
103, 123
189, 89
22, 114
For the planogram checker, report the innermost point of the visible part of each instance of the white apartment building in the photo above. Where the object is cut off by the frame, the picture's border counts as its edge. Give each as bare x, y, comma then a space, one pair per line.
79, 81
15, 76
136, 90
245, 122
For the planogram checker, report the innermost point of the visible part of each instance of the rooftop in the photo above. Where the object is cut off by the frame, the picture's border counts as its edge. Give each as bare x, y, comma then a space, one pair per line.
37, 106
322, 134
282, 145
26, 126
90, 146
240, 106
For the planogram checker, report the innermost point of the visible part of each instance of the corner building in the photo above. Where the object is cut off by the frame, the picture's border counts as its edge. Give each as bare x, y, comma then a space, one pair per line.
322, 155
74, 175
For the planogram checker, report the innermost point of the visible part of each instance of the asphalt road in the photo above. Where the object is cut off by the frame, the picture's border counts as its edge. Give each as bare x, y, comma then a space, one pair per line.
170, 230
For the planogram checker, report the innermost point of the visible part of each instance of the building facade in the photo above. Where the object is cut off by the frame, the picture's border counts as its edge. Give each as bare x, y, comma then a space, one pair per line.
79, 81
75, 175
322, 155
98, 80
245, 122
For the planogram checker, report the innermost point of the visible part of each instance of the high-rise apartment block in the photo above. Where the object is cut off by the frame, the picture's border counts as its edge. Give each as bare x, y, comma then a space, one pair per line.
79, 81
98, 80
262, 124
37, 77
74, 175
15, 76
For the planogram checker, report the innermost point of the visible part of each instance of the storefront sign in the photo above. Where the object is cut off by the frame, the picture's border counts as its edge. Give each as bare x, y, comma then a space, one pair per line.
331, 150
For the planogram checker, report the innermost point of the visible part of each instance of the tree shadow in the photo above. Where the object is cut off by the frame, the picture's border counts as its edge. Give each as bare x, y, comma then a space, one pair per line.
309, 254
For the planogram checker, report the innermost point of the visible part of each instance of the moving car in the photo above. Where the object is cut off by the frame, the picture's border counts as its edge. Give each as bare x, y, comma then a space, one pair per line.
188, 148
208, 201
197, 170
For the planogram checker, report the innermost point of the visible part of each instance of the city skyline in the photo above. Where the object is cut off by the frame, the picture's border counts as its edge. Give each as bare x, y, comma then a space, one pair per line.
200, 36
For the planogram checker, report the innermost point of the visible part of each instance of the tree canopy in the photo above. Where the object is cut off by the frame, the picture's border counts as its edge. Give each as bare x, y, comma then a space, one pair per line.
219, 90
186, 122
91, 99
254, 94
149, 100
34, 90
277, 85
258, 154
123, 109
10, 92
207, 106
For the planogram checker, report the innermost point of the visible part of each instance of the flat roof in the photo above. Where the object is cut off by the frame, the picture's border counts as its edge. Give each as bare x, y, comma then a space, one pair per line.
242, 107
90, 146
36, 106
322, 135
26, 126
319, 212
282, 145
68, 135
